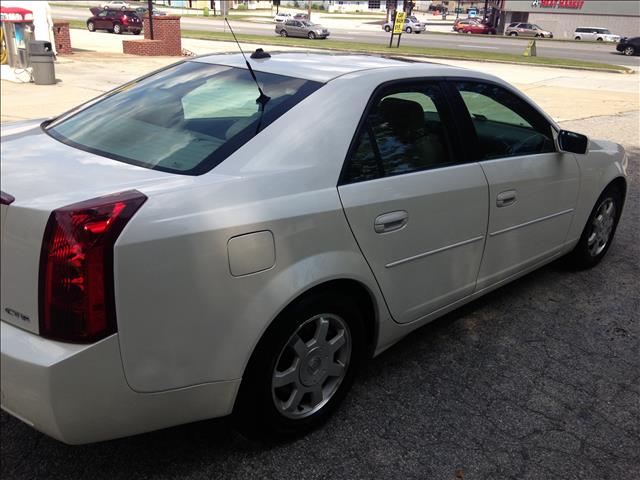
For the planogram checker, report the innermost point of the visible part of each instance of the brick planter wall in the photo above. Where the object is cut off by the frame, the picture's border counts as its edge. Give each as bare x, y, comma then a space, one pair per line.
62, 38
167, 39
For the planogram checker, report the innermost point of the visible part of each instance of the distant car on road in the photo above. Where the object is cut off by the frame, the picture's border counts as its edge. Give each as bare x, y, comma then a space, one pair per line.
527, 30
142, 11
301, 28
282, 17
595, 33
116, 6
461, 22
301, 16
411, 25
629, 46
116, 21
478, 27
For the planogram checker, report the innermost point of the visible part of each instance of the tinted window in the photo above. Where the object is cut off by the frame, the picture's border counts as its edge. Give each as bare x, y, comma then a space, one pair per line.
184, 119
505, 125
403, 133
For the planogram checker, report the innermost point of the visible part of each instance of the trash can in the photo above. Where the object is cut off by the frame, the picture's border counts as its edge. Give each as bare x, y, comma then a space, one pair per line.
41, 57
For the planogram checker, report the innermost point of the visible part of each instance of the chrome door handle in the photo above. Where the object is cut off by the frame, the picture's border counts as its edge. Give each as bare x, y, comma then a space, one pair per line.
391, 221
504, 199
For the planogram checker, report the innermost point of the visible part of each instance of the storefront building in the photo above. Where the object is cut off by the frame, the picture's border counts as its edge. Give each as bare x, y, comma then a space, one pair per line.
562, 17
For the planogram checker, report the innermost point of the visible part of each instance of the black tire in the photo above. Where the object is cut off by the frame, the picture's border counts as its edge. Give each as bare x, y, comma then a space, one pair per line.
387, 29
91, 26
409, 30
600, 39
117, 28
311, 36
629, 50
583, 255
136, 32
513, 34
256, 413
577, 38
283, 33
123, 8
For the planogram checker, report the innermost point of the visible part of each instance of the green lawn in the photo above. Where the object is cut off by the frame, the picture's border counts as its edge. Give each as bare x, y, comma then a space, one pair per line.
359, 47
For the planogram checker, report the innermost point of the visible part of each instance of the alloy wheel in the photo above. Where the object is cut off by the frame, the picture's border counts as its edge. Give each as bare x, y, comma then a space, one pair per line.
311, 366
601, 227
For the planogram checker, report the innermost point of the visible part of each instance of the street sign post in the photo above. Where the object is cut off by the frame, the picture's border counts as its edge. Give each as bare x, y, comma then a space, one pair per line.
398, 26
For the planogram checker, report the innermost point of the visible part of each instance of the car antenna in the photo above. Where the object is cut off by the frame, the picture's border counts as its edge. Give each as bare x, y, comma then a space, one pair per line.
262, 99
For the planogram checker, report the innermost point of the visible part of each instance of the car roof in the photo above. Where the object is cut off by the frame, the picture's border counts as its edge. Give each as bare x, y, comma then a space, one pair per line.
319, 67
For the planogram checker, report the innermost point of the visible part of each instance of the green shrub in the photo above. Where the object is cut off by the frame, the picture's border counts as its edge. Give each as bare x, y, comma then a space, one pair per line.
241, 6
205, 11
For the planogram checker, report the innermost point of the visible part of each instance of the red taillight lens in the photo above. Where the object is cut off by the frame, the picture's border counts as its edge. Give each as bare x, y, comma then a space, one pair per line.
77, 302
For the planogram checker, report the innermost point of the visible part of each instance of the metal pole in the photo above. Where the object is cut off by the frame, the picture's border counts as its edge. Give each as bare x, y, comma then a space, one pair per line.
150, 11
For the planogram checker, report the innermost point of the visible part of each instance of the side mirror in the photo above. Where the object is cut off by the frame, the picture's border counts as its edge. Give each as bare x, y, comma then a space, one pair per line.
572, 142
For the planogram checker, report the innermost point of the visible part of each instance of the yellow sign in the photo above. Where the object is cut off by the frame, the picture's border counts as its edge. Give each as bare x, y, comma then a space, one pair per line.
531, 50
398, 25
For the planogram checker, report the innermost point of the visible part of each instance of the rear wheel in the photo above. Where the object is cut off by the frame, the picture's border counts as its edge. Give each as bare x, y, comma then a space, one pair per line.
91, 26
601, 227
513, 34
136, 32
117, 29
283, 33
600, 39
311, 36
629, 50
302, 368
409, 30
577, 38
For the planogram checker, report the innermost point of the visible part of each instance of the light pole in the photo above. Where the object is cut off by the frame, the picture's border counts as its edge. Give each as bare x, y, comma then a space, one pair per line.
458, 10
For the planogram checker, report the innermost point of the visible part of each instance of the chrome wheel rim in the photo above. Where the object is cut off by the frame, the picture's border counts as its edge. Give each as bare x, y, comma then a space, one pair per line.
628, 51
601, 227
311, 366
116, 28
91, 27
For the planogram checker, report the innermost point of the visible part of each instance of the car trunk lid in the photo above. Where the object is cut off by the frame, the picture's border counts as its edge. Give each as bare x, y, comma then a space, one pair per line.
42, 174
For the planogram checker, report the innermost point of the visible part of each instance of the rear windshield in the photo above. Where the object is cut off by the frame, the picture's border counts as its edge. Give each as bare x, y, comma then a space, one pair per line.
184, 119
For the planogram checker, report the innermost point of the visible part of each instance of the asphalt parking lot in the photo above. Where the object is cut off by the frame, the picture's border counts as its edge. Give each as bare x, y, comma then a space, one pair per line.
538, 380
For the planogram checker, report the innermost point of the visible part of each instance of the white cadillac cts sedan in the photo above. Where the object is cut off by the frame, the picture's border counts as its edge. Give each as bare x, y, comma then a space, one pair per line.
187, 247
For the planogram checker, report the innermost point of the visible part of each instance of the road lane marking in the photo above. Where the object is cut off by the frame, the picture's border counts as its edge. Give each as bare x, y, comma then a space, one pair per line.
477, 46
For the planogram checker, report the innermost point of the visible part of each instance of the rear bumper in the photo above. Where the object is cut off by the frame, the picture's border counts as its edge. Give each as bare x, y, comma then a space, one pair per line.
78, 393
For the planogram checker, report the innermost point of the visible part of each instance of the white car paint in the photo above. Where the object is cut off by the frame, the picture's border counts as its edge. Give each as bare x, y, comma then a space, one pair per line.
191, 309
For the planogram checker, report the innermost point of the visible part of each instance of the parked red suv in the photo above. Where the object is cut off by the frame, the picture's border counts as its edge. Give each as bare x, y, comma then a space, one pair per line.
116, 21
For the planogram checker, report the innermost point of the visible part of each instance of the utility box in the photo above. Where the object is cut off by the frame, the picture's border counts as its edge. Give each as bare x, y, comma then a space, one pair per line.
41, 57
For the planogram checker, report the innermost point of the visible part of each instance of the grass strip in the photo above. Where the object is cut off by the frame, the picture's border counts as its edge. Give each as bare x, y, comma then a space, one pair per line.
358, 47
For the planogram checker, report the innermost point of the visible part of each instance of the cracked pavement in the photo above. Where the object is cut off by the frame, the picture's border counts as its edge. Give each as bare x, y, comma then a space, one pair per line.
537, 380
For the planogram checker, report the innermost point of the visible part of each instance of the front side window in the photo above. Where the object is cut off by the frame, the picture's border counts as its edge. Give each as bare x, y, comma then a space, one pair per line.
403, 132
505, 125
185, 119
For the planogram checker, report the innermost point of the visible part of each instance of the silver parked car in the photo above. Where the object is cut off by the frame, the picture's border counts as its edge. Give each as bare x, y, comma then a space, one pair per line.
527, 30
411, 24
301, 28
596, 34
250, 248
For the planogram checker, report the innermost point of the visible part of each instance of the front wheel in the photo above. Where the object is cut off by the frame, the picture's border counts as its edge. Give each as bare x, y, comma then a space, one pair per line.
409, 30
311, 36
387, 29
601, 227
117, 29
91, 26
283, 33
629, 50
577, 38
513, 34
302, 368
600, 39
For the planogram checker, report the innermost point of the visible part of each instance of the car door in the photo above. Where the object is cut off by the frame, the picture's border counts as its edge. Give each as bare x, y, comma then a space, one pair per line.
533, 188
417, 208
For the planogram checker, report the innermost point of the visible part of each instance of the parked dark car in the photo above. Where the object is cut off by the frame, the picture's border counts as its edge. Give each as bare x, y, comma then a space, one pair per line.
629, 46
116, 21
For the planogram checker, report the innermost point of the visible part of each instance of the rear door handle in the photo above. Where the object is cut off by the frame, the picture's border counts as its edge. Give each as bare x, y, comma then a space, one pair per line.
504, 199
391, 221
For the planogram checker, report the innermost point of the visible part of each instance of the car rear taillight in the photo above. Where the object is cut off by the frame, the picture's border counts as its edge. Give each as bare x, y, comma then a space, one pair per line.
6, 199
76, 287
125, 19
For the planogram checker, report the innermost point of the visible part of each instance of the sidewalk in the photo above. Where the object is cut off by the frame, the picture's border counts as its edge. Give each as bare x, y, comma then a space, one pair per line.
99, 66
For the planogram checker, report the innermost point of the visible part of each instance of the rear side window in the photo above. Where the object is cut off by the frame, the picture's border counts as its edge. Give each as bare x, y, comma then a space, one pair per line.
505, 125
185, 119
403, 132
